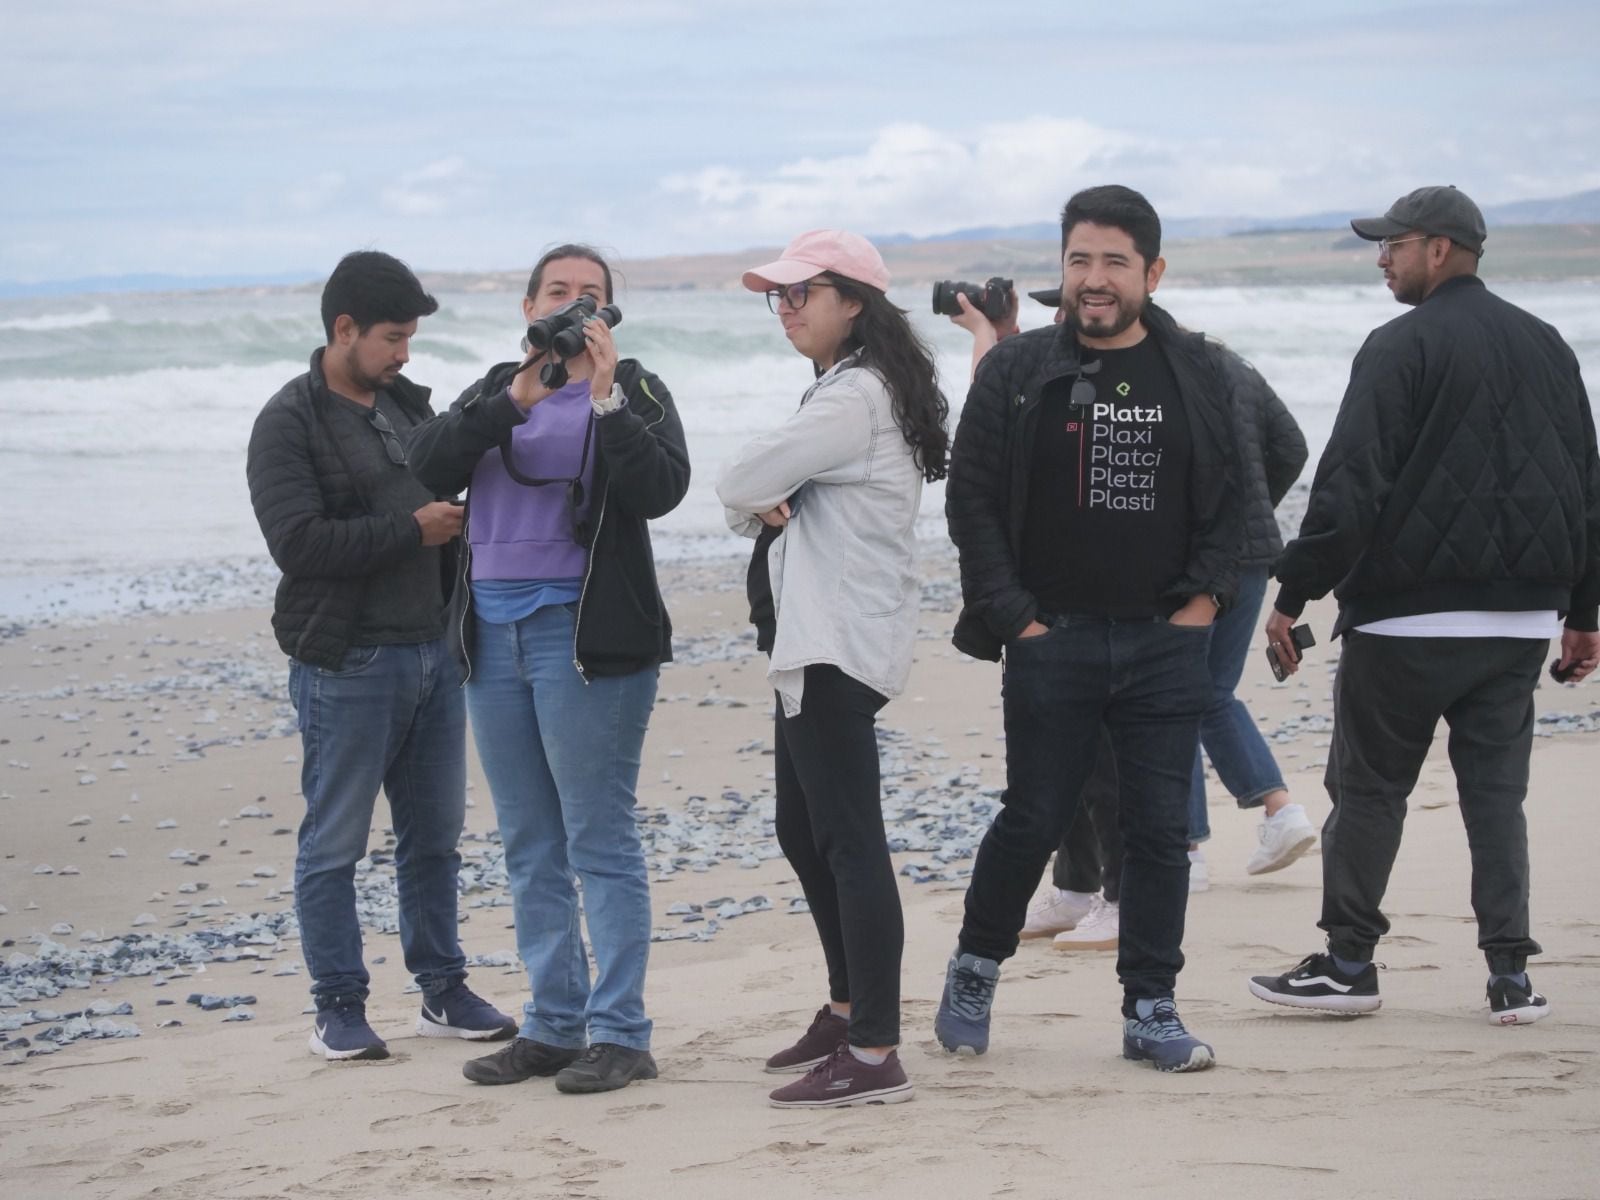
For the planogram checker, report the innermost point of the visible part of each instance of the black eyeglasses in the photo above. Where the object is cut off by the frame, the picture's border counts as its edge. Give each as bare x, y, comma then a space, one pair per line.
391, 439
1083, 393
796, 294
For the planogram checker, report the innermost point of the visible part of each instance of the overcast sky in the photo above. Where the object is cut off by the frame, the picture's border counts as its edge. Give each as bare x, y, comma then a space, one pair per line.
206, 137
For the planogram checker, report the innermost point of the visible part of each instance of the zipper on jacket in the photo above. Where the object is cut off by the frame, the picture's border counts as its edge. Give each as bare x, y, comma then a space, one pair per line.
466, 607
588, 571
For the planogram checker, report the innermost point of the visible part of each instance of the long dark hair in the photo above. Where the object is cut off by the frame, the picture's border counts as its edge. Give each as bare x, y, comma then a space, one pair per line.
896, 351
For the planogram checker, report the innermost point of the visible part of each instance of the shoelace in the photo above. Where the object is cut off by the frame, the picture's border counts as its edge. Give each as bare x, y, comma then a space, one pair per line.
970, 993
1163, 1024
590, 1055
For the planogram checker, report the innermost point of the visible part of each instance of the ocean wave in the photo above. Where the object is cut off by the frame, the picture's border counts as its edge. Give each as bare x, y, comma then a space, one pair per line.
45, 323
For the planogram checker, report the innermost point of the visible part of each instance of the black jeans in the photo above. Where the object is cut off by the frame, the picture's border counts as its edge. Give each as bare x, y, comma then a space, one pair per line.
1387, 700
1147, 683
1089, 858
830, 825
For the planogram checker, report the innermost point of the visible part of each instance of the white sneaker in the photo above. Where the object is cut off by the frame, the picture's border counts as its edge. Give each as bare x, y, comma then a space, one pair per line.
1199, 873
1097, 931
1285, 836
1055, 911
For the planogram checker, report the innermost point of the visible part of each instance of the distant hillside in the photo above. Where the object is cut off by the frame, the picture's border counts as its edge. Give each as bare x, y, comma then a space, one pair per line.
1580, 208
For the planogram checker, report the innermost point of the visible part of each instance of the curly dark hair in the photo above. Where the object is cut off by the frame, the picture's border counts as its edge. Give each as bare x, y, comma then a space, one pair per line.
890, 346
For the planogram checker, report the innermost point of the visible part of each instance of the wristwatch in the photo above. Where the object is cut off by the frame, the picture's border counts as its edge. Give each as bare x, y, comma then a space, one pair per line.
605, 405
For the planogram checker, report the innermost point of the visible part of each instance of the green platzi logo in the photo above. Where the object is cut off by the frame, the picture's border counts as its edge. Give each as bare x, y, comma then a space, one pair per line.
1123, 389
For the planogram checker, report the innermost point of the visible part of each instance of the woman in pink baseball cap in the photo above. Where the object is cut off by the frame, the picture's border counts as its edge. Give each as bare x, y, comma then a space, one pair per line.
831, 497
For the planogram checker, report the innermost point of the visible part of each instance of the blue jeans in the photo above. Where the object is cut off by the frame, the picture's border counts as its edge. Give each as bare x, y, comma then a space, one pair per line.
1234, 745
562, 759
1146, 682
390, 716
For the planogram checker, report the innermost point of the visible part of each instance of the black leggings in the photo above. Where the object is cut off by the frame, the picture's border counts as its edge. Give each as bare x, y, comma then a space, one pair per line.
830, 825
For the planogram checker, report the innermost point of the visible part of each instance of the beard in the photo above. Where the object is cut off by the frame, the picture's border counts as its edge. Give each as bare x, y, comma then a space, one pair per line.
1120, 319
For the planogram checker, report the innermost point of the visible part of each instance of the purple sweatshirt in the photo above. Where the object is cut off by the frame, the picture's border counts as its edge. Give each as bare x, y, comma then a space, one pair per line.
521, 532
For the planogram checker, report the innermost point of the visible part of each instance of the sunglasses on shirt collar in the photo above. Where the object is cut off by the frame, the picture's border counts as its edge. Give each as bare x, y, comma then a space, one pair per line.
391, 440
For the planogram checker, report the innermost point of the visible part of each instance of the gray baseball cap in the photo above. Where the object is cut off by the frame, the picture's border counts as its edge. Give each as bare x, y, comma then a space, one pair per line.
1441, 211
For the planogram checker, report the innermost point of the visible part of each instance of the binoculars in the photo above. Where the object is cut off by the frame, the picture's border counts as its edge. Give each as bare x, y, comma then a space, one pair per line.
560, 335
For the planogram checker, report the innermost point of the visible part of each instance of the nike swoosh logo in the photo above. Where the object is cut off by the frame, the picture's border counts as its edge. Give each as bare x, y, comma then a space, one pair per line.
322, 1031
1322, 981
436, 1018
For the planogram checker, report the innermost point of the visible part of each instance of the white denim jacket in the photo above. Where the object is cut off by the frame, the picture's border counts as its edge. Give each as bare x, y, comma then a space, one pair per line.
844, 584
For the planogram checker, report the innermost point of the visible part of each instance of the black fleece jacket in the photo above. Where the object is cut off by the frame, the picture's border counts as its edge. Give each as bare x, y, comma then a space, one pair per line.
641, 471
1461, 473
987, 491
317, 518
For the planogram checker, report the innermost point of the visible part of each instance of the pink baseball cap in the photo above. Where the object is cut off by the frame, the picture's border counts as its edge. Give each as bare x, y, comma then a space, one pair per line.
810, 254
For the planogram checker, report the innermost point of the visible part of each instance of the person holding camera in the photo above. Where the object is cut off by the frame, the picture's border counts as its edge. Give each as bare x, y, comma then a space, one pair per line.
367, 554
561, 631
831, 496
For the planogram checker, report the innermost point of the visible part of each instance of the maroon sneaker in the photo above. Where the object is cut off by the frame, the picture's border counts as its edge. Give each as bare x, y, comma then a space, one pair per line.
842, 1079
815, 1044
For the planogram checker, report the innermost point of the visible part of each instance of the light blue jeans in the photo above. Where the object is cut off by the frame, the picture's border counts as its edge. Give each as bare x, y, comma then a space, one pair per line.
562, 760
390, 716
1228, 732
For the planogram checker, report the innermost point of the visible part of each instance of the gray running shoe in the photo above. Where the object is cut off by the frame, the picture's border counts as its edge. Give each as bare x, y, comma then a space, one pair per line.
1161, 1039
962, 1025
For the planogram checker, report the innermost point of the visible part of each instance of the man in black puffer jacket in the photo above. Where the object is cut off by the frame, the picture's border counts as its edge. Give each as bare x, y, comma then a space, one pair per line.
366, 554
1093, 498
1456, 516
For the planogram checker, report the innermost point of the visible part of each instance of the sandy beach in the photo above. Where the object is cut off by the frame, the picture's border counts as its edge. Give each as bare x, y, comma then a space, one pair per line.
148, 797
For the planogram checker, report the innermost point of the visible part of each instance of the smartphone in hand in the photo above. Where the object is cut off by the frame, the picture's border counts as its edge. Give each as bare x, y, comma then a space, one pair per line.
1303, 640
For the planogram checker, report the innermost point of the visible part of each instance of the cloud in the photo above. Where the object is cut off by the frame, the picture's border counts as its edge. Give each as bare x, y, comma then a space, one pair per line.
910, 178
914, 178
429, 190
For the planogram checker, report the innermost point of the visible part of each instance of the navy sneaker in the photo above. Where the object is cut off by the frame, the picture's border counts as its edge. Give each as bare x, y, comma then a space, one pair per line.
1317, 982
962, 1025
1510, 1003
340, 1031
458, 1012
1161, 1039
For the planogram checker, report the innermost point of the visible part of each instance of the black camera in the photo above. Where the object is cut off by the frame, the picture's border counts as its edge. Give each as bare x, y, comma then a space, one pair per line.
560, 334
992, 299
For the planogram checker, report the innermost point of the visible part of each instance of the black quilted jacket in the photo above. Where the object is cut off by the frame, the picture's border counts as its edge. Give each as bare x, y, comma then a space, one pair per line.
1461, 472
986, 495
319, 526
1272, 453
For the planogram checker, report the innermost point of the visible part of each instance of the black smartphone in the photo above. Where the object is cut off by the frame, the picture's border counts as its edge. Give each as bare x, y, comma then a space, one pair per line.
1303, 640
1562, 674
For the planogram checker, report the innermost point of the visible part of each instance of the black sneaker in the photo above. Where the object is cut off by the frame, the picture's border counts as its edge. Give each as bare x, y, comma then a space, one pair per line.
460, 1013
522, 1059
1319, 983
604, 1067
1512, 1004
340, 1032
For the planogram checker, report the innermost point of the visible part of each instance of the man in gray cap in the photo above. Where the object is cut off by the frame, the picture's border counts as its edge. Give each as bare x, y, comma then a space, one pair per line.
1455, 515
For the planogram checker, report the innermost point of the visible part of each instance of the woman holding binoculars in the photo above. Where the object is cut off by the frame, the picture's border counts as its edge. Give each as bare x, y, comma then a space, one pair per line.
831, 496
562, 629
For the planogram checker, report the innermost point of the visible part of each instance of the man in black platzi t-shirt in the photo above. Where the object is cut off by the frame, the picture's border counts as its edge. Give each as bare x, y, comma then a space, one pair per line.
1091, 498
